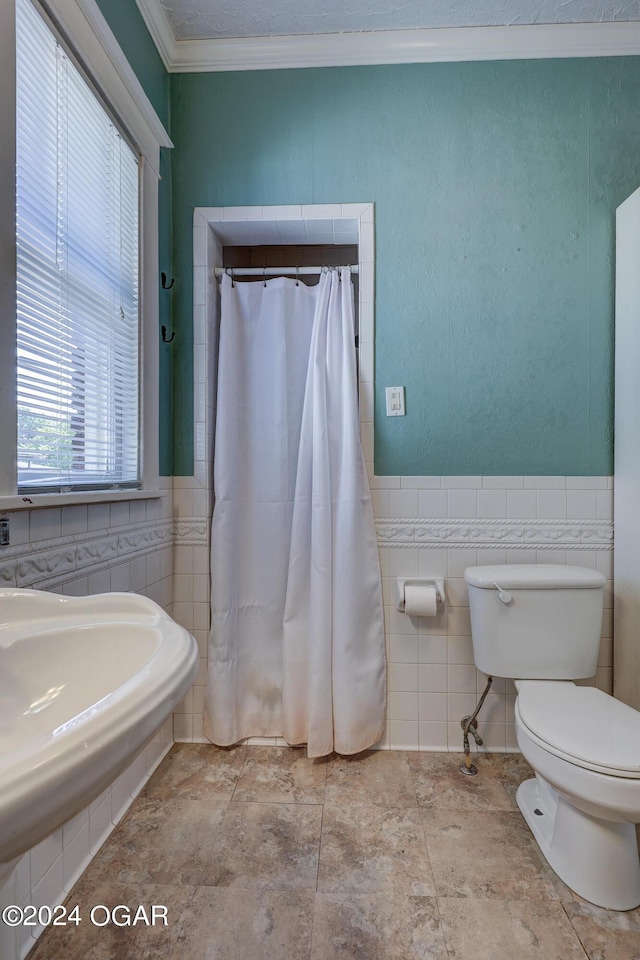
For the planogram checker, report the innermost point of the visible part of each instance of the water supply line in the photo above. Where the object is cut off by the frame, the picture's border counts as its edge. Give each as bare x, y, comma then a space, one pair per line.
469, 725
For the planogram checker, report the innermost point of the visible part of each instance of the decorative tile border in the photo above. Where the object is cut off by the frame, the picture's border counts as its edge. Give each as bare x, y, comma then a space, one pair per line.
192, 531
49, 563
523, 534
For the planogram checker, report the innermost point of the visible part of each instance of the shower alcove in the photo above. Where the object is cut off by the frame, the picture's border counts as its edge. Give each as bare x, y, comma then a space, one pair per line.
214, 229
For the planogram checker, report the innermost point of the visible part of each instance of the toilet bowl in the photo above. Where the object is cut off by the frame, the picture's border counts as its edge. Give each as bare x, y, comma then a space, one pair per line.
541, 624
584, 802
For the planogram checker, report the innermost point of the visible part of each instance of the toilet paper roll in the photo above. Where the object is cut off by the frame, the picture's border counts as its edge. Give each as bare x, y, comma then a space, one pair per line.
420, 601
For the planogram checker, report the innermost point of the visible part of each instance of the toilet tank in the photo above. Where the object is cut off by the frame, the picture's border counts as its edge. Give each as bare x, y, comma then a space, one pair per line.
535, 621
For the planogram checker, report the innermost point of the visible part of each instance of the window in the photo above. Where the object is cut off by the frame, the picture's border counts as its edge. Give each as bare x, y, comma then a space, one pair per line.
78, 341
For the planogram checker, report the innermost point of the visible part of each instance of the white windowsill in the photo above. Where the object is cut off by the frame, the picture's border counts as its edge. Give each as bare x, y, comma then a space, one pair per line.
35, 500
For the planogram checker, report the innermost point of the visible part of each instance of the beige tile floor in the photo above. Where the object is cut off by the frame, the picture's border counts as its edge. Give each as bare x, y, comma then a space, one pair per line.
261, 854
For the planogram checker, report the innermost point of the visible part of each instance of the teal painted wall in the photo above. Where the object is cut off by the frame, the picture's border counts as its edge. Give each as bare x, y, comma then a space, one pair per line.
131, 32
495, 187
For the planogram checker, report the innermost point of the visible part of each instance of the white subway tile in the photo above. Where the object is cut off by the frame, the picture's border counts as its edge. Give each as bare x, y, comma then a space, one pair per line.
605, 563
120, 515
432, 678
403, 649
432, 650
403, 503
73, 520
459, 559
44, 524
552, 504
586, 483
76, 857
465, 483
402, 706
432, 736
604, 509
432, 504
460, 650
402, 677
503, 483
487, 556
403, 735
182, 727
400, 623
545, 483
521, 504
100, 824
72, 826
460, 705
380, 503
492, 504
422, 483
462, 503
403, 562
120, 578
432, 707
384, 483
459, 622
432, 562
457, 593
551, 556
461, 678
44, 855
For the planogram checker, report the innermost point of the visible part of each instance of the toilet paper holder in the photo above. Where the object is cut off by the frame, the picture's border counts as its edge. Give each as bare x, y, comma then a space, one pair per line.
436, 582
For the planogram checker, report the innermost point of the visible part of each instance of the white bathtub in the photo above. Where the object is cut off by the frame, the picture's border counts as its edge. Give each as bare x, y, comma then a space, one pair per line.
85, 683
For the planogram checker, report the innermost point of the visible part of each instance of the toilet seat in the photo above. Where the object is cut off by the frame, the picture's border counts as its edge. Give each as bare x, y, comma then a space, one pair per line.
582, 725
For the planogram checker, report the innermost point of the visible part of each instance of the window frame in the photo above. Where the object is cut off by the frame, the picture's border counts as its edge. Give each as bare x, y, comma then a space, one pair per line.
86, 33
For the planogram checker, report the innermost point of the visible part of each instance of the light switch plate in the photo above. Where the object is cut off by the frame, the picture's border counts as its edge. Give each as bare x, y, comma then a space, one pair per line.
395, 401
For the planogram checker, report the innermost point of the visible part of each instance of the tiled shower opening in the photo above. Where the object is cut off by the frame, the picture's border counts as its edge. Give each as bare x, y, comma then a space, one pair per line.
426, 525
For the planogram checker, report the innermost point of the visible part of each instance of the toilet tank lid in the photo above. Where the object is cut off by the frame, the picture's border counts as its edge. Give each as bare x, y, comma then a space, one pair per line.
533, 576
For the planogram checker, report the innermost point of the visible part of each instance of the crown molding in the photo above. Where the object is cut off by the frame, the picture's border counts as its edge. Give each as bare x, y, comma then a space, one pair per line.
536, 41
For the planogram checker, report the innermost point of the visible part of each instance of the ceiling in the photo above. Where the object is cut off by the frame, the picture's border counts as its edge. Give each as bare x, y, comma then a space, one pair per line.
222, 19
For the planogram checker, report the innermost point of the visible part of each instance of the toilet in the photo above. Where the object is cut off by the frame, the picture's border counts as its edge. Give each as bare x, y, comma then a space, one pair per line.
539, 624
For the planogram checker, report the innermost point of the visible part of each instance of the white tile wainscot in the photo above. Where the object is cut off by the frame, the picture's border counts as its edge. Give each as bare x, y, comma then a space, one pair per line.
79, 550
432, 680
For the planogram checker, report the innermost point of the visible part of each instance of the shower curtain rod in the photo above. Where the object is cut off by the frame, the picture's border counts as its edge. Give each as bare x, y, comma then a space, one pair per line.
271, 271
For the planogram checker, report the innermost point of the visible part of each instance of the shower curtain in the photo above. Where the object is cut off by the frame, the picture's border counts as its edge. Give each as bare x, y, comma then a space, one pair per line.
297, 639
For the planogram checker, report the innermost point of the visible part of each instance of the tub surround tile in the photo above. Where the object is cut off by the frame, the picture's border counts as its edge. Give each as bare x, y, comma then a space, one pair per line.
280, 775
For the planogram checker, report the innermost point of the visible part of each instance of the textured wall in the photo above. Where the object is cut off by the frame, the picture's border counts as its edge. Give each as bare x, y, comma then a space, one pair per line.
495, 187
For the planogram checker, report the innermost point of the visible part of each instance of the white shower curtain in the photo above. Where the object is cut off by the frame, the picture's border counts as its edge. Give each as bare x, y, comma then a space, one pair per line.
297, 639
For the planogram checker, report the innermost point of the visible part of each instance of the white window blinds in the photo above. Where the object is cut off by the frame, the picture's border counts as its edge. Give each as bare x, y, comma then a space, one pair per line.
77, 276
